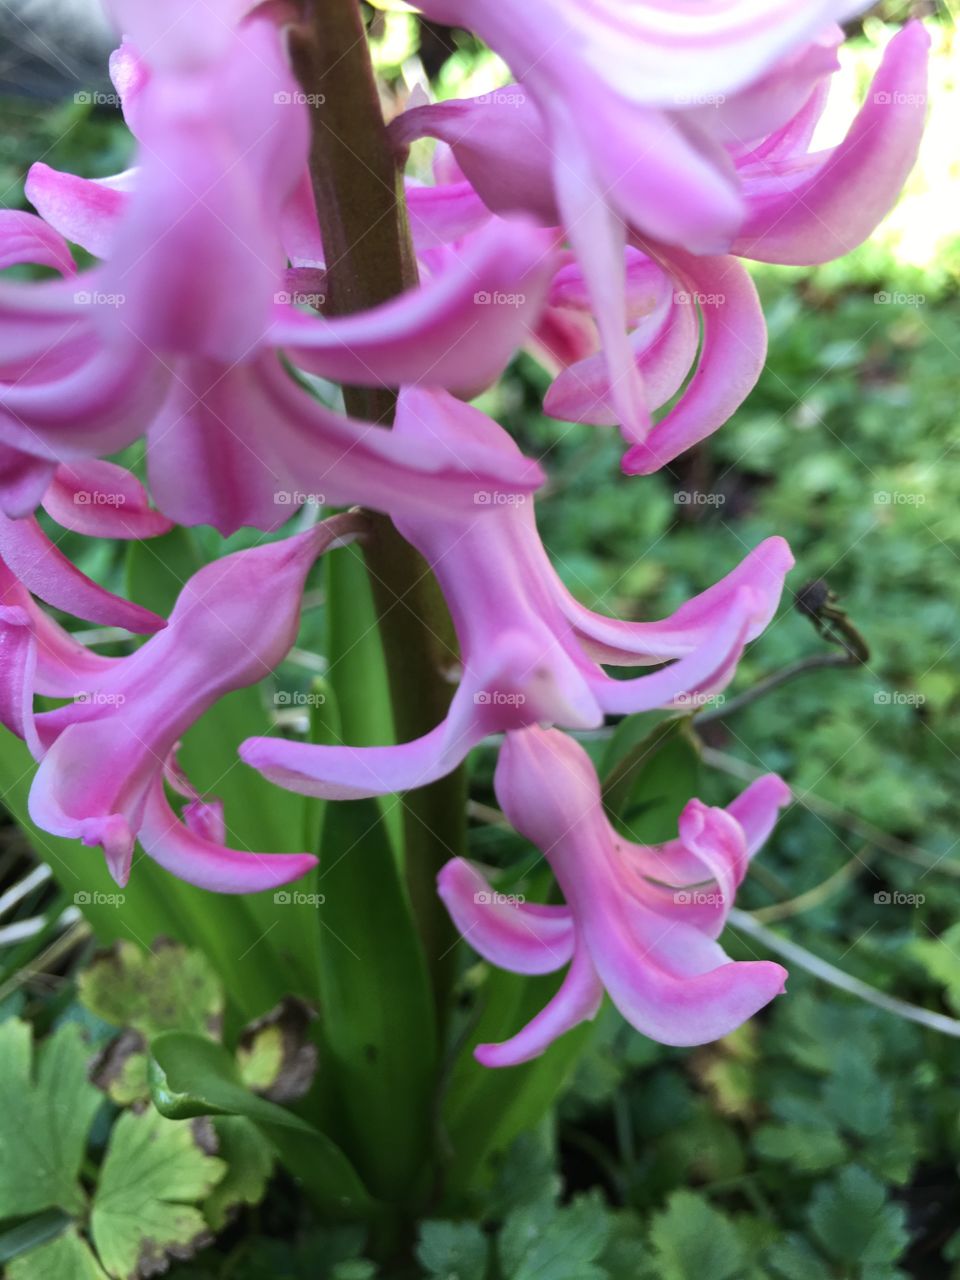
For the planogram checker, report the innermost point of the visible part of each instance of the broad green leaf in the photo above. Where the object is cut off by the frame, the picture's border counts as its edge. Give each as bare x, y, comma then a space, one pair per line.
794, 1259
648, 782
249, 1159
32, 1233
485, 1110
46, 1108
540, 1242
379, 1048
144, 1207
357, 672
453, 1250
693, 1241
158, 568
854, 1222
66, 1258
806, 1149
169, 988
191, 1076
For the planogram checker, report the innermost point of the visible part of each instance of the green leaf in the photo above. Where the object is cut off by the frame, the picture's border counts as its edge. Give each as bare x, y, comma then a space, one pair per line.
66, 1258
485, 1110
276, 1054
32, 1233
46, 1109
693, 1241
854, 1222
249, 1159
807, 1149
453, 1250
648, 782
158, 568
167, 989
191, 1076
144, 1207
794, 1259
381, 1048
540, 1242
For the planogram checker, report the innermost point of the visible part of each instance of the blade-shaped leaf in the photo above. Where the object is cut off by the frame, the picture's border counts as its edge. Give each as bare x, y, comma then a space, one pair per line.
192, 1076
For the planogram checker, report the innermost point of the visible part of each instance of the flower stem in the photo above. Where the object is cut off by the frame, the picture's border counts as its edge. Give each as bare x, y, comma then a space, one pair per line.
369, 259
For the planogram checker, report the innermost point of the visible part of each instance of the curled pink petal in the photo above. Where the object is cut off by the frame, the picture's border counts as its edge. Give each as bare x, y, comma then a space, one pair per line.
102, 500
210, 461
578, 1000
46, 571
27, 238
756, 809
511, 935
85, 211
195, 857
24, 479
652, 948
105, 755
733, 351
808, 209
457, 330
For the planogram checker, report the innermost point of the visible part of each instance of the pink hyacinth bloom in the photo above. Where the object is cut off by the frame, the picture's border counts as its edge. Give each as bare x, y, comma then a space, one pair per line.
105, 756
639, 922
531, 653
723, 166
95, 498
182, 329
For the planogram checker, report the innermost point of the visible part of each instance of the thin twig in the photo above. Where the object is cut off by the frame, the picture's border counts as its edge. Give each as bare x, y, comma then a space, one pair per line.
829, 973
819, 893
883, 840
815, 662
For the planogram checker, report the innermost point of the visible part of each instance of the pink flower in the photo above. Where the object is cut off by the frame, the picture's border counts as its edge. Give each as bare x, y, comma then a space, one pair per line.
181, 331
104, 756
677, 167
531, 654
639, 922
95, 498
